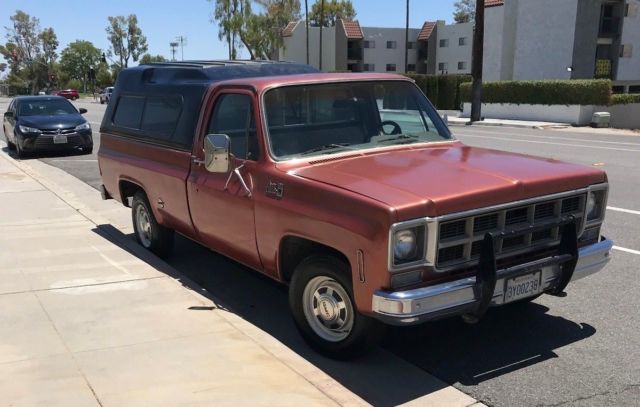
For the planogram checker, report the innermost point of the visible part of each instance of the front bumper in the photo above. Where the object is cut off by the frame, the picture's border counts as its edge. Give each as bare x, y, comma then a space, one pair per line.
44, 142
461, 296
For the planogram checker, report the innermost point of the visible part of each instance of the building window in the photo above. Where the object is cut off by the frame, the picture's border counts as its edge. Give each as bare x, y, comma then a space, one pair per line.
462, 41
634, 89
369, 44
368, 67
391, 67
392, 44
411, 67
443, 66
411, 45
444, 43
462, 66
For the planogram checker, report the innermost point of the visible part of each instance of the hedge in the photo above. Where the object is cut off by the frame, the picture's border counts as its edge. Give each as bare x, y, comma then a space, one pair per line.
548, 92
625, 98
442, 90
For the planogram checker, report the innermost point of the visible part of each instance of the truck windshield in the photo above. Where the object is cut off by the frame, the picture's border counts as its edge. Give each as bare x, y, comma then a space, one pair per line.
328, 118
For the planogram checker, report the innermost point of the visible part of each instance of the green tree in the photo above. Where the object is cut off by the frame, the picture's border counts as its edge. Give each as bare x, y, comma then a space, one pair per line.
127, 41
333, 10
465, 11
148, 58
78, 58
278, 13
103, 76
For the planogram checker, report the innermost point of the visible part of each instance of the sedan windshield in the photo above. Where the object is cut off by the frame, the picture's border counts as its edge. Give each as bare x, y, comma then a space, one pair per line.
46, 107
329, 118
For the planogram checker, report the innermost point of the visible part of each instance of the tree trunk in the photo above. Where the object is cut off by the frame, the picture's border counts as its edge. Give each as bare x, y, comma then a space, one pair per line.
476, 69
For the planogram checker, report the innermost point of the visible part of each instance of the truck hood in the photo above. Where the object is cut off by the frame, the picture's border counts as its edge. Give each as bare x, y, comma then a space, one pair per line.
437, 180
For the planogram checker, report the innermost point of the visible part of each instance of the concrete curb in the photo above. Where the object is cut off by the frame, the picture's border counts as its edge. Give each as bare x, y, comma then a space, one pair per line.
334, 390
513, 125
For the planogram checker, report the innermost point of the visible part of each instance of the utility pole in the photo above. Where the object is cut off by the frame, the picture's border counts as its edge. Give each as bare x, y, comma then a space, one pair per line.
406, 42
183, 41
173, 46
321, 24
306, 18
476, 68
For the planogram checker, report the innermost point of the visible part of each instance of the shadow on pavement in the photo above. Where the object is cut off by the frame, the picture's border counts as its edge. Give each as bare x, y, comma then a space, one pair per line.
508, 339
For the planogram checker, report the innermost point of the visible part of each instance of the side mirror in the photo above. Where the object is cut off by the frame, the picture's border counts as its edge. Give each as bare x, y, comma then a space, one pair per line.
216, 153
8, 114
82, 110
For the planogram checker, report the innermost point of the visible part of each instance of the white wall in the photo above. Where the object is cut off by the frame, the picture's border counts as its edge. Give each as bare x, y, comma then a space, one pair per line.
544, 39
629, 68
380, 56
295, 47
454, 53
493, 42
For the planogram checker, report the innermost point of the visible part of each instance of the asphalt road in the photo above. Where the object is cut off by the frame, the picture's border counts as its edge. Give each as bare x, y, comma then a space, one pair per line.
581, 350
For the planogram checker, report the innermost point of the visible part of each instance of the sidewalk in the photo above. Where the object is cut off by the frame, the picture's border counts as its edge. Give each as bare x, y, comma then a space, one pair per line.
454, 119
88, 317
84, 322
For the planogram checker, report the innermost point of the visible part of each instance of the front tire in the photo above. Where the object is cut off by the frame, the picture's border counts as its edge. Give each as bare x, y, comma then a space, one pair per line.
321, 302
149, 233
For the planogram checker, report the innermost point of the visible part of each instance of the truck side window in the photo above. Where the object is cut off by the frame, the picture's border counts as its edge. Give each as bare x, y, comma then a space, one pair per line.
233, 116
129, 112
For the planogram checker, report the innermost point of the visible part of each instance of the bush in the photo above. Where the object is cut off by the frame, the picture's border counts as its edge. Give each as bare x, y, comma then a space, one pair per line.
442, 90
625, 98
553, 92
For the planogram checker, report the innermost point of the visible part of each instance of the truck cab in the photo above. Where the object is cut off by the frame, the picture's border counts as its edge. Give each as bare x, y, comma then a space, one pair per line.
349, 188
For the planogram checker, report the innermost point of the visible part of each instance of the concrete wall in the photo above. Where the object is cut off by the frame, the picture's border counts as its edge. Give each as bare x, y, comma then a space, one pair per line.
622, 116
544, 38
585, 40
493, 43
294, 49
380, 56
454, 53
629, 68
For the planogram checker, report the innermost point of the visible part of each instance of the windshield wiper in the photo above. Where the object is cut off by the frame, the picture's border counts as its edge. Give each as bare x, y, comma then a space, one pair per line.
326, 147
400, 137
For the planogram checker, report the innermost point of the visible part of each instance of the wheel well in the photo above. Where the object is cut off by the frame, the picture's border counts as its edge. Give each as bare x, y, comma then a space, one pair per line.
294, 249
127, 190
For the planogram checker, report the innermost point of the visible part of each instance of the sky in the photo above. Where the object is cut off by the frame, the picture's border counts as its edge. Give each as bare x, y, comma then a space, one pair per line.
162, 21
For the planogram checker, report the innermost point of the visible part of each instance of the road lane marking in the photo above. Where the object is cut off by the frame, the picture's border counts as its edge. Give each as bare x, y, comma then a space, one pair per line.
555, 144
624, 249
613, 208
555, 138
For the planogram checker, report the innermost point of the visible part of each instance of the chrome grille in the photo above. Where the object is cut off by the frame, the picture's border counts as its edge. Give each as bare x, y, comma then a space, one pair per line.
62, 131
460, 240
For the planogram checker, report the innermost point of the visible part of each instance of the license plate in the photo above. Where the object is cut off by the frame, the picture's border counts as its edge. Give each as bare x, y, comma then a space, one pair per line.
59, 139
522, 287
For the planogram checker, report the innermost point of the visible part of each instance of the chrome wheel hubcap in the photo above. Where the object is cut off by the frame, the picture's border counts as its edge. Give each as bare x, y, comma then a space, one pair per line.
328, 309
144, 225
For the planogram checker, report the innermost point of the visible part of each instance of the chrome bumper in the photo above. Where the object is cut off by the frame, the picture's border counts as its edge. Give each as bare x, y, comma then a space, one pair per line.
458, 297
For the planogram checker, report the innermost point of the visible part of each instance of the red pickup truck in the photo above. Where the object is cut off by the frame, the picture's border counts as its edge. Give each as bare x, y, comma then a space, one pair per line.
350, 189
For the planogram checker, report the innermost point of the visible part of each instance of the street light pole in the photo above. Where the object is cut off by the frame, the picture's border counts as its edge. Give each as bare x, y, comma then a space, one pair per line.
406, 42
306, 18
321, 24
476, 68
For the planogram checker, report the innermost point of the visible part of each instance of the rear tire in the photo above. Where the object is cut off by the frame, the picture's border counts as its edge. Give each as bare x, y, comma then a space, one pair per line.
321, 302
149, 233
88, 150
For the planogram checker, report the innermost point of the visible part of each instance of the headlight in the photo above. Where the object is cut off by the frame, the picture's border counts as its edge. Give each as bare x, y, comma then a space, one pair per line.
405, 245
595, 204
83, 126
25, 129
408, 245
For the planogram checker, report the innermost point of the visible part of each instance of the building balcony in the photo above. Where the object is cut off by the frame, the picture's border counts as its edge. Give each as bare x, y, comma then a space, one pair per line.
354, 54
609, 27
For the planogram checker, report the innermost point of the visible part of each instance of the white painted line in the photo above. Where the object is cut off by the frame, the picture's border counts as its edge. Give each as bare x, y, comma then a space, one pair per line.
624, 249
557, 138
555, 144
613, 208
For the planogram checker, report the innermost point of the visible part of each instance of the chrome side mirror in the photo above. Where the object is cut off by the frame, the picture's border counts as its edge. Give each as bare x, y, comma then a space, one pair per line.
216, 153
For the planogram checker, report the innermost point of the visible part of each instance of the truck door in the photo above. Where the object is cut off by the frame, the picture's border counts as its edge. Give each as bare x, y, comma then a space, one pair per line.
222, 209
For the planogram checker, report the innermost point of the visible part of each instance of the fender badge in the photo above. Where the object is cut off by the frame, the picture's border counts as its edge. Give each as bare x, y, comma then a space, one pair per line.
275, 189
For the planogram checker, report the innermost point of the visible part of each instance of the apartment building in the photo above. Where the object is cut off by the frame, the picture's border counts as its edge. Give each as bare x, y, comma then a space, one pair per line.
436, 48
563, 39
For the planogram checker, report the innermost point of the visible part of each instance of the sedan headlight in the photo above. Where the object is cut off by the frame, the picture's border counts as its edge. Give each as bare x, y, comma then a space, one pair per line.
83, 126
596, 204
408, 245
27, 130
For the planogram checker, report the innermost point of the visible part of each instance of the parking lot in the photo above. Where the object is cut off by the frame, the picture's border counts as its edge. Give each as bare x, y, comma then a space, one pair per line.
579, 350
